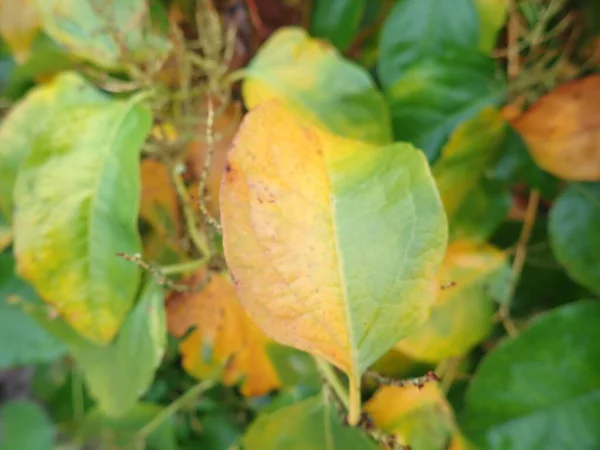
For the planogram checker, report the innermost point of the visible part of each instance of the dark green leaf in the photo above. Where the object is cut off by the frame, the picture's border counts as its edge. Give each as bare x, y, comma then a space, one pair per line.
308, 425
293, 366
433, 74
336, 20
575, 233
17, 134
418, 30
433, 97
23, 340
25, 426
540, 390
517, 166
77, 197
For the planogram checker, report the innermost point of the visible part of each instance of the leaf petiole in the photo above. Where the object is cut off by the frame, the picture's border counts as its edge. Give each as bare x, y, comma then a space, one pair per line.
333, 380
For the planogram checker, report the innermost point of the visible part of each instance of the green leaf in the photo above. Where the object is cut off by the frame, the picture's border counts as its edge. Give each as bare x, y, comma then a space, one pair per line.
25, 426
433, 75
516, 166
472, 149
481, 212
575, 233
17, 133
338, 21
293, 367
78, 196
23, 340
417, 30
492, 15
307, 425
117, 374
121, 432
319, 84
542, 388
105, 33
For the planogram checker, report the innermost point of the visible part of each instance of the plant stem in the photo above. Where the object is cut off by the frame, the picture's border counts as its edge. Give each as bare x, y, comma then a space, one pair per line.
187, 266
333, 380
354, 410
173, 407
519, 261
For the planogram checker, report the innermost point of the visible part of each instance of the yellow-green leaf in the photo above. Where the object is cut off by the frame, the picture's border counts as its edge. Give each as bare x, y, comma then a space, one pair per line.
77, 199
106, 33
492, 15
419, 417
17, 132
462, 314
314, 80
333, 244
471, 150
19, 23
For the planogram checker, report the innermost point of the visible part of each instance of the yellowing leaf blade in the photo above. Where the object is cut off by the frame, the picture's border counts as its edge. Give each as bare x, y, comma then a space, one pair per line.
78, 200
321, 86
333, 244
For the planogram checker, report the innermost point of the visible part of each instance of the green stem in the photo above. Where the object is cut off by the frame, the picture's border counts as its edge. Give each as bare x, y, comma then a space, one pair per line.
188, 266
333, 380
173, 407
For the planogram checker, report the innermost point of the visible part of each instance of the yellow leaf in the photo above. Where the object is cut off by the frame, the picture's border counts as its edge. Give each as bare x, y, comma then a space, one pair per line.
562, 130
19, 23
419, 417
462, 315
224, 337
159, 204
333, 244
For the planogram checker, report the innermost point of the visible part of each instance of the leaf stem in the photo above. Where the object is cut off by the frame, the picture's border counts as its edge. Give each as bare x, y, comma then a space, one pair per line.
172, 408
354, 410
333, 380
187, 266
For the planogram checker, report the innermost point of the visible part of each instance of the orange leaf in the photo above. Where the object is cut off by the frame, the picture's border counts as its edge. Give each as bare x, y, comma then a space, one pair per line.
563, 130
159, 200
224, 336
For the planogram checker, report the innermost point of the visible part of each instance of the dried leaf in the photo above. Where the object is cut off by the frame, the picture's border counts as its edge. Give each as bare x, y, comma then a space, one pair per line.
563, 130
224, 337
333, 244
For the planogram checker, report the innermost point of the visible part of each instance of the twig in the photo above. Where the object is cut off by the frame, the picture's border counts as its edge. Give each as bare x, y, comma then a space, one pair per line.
519, 261
418, 381
160, 277
210, 149
513, 38
198, 240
